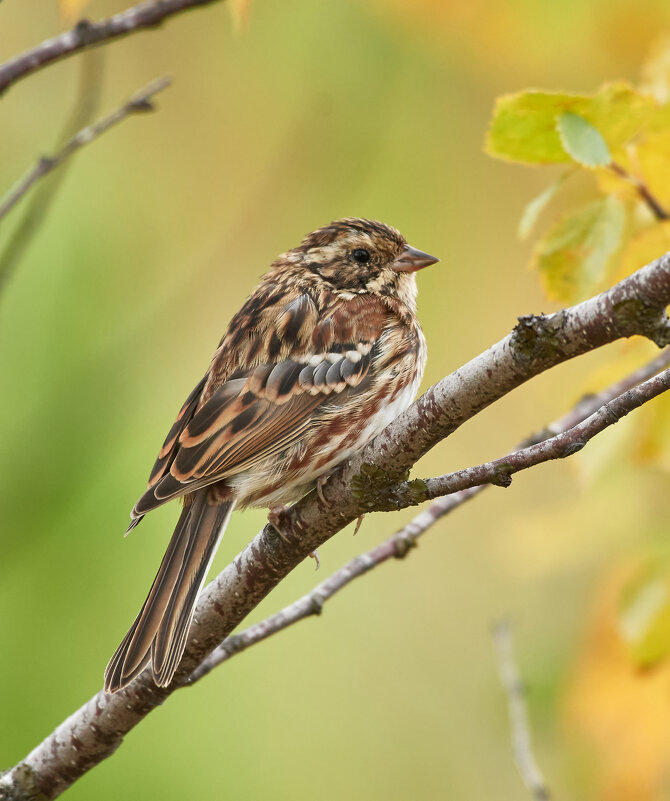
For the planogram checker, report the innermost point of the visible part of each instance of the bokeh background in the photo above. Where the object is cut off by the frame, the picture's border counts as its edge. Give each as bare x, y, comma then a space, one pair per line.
281, 118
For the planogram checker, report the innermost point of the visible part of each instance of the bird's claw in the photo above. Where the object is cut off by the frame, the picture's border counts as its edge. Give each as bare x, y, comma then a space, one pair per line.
277, 519
320, 482
280, 520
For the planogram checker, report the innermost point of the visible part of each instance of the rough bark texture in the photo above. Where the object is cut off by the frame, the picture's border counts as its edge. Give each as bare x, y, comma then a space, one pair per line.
634, 306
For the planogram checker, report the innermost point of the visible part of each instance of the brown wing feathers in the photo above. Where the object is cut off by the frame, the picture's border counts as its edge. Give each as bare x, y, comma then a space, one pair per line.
327, 337
224, 430
239, 414
169, 448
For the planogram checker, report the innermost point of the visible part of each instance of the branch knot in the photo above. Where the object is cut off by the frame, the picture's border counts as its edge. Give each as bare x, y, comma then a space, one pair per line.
535, 338
640, 317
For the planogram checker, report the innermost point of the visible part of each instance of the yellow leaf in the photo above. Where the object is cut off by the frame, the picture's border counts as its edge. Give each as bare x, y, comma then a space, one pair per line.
644, 618
653, 163
524, 125
572, 258
536, 206
70, 11
620, 710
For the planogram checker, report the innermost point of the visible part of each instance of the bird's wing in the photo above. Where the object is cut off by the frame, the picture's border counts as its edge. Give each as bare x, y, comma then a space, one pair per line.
306, 365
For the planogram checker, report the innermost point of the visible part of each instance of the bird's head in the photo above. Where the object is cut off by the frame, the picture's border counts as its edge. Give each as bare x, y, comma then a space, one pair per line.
358, 256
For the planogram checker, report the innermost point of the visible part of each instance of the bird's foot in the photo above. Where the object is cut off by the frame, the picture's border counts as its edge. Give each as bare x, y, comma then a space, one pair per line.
315, 556
280, 520
320, 483
277, 519
359, 520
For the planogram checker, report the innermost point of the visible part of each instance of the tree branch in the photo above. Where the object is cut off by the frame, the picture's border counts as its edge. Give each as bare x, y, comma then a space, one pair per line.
139, 102
635, 306
500, 471
518, 715
85, 34
399, 544
84, 112
395, 496
396, 546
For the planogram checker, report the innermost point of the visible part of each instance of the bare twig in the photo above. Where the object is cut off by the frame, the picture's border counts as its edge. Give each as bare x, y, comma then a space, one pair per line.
518, 716
398, 545
143, 16
141, 101
84, 111
634, 306
500, 471
591, 403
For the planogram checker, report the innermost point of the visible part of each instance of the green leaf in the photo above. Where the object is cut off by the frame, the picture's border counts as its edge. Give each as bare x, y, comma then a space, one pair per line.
644, 618
573, 256
524, 128
536, 206
582, 141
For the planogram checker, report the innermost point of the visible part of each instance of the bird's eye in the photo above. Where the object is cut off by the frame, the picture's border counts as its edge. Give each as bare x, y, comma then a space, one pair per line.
361, 255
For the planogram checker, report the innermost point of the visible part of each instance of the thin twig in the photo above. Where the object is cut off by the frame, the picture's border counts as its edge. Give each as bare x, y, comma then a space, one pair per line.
143, 16
636, 306
642, 189
500, 471
141, 101
398, 545
592, 402
518, 716
83, 113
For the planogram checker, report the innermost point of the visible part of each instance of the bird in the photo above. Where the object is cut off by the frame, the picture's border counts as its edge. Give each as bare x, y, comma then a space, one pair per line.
324, 354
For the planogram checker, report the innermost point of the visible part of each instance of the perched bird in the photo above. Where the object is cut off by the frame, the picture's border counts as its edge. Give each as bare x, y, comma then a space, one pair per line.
324, 354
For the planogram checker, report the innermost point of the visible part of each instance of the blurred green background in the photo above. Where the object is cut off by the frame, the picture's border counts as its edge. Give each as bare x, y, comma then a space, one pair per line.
309, 112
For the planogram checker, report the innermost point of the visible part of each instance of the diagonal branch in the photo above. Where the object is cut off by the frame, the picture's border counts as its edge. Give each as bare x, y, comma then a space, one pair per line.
143, 16
500, 471
635, 306
400, 495
395, 547
399, 544
139, 102
36, 212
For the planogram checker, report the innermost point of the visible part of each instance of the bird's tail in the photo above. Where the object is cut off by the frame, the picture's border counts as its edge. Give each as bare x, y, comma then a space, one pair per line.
159, 631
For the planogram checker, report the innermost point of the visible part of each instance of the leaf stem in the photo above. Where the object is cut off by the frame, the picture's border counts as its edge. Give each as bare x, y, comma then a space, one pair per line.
642, 189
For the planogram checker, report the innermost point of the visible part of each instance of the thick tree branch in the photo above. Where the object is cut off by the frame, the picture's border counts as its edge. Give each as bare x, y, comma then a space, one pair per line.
399, 544
143, 16
518, 715
139, 102
635, 306
499, 471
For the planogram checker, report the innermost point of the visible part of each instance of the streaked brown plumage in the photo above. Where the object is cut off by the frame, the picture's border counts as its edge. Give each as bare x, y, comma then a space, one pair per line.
324, 354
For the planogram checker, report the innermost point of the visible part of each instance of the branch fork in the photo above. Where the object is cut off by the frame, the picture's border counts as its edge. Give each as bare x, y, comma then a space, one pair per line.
96, 729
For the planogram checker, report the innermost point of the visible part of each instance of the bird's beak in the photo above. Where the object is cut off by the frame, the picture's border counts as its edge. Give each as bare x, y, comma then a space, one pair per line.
411, 260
